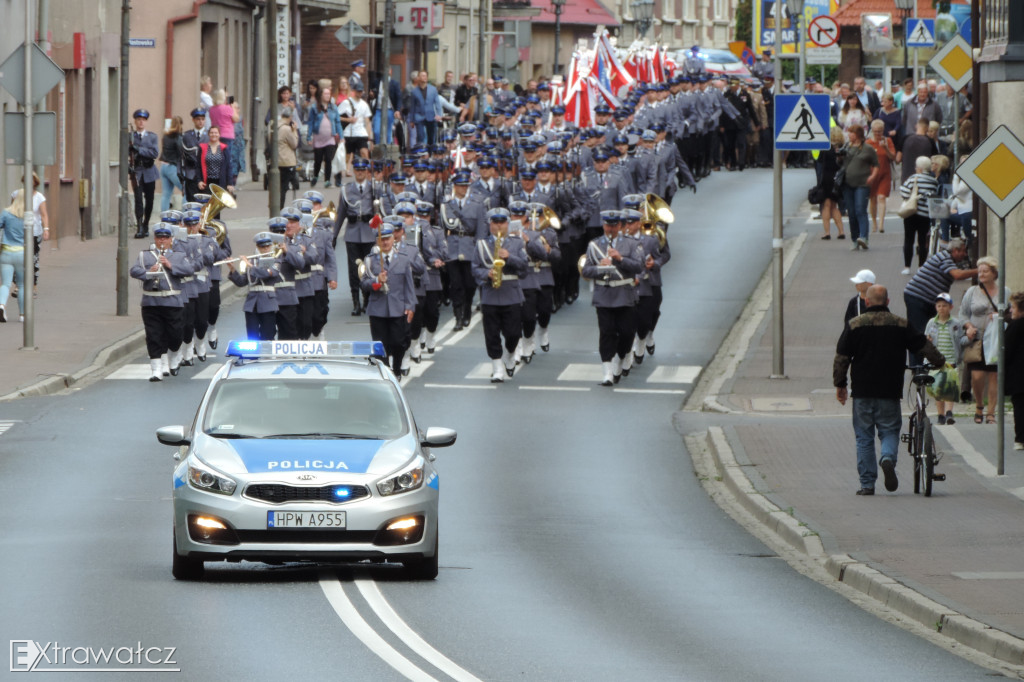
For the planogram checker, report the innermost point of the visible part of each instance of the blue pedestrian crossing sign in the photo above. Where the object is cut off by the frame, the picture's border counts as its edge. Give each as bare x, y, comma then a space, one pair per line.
920, 32
802, 122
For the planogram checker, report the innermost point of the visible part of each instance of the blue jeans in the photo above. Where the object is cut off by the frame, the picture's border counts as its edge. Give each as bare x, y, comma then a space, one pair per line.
170, 180
12, 268
857, 209
388, 136
869, 415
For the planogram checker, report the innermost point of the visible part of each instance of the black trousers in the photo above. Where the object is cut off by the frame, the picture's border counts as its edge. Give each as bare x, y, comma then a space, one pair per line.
197, 317
463, 286
321, 306
188, 327
567, 275
915, 227
144, 204
1017, 399
648, 311
617, 327
393, 332
288, 180
355, 251
431, 313
730, 140
287, 322
304, 318
260, 326
545, 306
528, 315
214, 308
499, 321
714, 154
323, 155
416, 326
190, 187
163, 329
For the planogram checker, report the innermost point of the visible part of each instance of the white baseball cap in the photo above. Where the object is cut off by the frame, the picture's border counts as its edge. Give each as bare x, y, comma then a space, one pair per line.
863, 276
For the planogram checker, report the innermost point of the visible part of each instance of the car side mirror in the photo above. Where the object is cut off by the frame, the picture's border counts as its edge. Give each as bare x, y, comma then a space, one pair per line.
172, 435
438, 437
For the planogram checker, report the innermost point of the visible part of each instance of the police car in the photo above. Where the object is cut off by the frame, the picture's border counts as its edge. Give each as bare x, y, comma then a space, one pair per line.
305, 451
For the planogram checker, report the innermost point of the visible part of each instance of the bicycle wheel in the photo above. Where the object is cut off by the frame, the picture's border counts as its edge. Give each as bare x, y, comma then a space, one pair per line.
913, 450
928, 460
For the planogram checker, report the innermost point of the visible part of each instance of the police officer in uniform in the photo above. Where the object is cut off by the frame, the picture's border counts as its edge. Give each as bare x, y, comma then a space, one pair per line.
297, 241
161, 269
144, 150
190, 171
693, 65
387, 281
649, 282
290, 261
612, 262
259, 275
356, 209
497, 269
764, 68
461, 218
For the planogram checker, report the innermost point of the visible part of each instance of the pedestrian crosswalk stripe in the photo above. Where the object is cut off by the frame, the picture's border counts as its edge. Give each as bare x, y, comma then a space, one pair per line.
470, 386
417, 369
673, 374
582, 372
130, 372
6, 425
483, 371
553, 388
650, 391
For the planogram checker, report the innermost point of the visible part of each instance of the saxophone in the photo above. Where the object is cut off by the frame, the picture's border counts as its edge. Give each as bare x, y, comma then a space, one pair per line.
499, 263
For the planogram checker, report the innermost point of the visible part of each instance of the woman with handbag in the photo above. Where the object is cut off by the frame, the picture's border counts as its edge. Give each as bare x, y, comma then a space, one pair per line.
879, 195
825, 192
859, 170
915, 191
978, 310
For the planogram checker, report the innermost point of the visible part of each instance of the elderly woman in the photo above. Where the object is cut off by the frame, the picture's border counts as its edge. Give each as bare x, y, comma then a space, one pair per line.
886, 151
917, 224
978, 309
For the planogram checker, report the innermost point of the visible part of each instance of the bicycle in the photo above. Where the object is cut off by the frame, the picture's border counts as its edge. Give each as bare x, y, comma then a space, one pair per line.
919, 439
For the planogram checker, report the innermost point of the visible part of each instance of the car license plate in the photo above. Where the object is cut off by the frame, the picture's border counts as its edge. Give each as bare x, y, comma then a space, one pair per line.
306, 519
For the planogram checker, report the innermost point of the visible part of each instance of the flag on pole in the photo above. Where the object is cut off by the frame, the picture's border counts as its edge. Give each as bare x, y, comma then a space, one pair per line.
607, 68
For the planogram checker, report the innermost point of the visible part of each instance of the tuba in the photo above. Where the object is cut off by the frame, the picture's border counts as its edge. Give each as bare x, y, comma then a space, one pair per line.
219, 200
331, 212
656, 211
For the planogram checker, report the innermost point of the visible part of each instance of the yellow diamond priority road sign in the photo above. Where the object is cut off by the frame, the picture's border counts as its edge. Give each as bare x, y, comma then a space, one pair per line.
954, 62
995, 171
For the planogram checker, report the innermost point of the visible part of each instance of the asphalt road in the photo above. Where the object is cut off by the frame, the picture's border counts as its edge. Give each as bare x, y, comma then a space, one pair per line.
576, 542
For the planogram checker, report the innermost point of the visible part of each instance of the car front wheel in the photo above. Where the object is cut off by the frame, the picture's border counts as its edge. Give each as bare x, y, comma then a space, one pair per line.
183, 568
424, 568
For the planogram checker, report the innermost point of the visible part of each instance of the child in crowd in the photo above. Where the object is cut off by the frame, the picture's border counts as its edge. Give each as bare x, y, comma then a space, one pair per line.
947, 334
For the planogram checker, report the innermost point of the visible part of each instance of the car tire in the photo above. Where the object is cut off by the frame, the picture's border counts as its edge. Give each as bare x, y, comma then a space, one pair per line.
424, 568
183, 568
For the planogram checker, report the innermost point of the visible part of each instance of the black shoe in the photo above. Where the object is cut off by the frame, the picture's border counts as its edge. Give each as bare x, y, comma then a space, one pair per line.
866, 491
616, 378
186, 363
423, 344
650, 349
638, 359
141, 234
889, 470
414, 359
174, 371
510, 372
625, 372
527, 358
312, 183
405, 372
458, 326
201, 358
155, 379
546, 348
465, 322
430, 350
213, 343
605, 383
942, 420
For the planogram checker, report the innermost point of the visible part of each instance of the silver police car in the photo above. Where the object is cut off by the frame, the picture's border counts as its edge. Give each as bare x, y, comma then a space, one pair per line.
305, 451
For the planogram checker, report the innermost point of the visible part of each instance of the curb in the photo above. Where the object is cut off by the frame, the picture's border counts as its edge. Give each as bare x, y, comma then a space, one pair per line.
843, 568
104, 358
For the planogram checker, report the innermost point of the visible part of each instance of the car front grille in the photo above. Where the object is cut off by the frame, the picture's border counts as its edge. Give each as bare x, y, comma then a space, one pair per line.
279, 493
307, 536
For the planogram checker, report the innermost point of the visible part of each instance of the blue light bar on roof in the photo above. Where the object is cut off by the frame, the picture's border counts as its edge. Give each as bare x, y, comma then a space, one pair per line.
305, 349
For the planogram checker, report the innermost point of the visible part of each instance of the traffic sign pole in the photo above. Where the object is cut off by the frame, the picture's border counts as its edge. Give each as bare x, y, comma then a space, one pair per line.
1000, 336
778, 341
25, 295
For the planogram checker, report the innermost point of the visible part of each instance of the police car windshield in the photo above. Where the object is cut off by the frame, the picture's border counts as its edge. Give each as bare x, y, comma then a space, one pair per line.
272, 408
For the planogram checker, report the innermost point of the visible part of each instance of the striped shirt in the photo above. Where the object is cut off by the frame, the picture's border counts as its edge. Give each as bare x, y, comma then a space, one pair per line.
933, 278
944, 337
927, 186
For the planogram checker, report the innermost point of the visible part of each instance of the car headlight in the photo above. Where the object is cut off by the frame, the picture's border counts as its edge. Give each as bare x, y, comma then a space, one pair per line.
205, 478
408, 479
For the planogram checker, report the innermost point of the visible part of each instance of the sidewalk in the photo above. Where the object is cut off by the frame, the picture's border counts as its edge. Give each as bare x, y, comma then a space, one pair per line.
76, 326
953, 562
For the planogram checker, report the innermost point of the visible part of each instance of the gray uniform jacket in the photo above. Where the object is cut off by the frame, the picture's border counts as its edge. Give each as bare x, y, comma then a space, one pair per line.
434, 246
304, 272
694, 66
325, 269
464, 224
287, 265
614, 284
222, 252
164, 288
510, 292
190, 246
489, 197
147, 149
418, 265
645, 170
355, 208
261, 297
651, 277
399, 295
603, 195
425, 193
540, 259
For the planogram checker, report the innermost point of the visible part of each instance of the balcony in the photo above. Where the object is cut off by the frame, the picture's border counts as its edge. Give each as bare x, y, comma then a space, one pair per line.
1002, 54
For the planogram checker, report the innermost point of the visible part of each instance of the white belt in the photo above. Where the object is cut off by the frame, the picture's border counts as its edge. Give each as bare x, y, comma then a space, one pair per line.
509, 278
261, 287
301, 275
317, 268
161, 294
542, 264
187, 279
284, 284
614, 282
201, 278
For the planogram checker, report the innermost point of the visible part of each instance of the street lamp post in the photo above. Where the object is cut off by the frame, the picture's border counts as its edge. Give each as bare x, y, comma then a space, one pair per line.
643, 10
796, 11
556, 7
907, 6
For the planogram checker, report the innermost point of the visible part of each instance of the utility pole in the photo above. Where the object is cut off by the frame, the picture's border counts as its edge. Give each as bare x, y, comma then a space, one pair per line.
483, 59
273, 172
122, 169
28, 331
385, 83
778, 341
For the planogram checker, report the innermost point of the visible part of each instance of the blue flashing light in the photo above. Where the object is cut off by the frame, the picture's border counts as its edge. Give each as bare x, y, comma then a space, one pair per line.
305, 349
342, 492
242, 349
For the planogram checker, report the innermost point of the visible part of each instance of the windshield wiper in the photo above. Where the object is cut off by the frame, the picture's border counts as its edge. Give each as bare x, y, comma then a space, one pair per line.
316, 434
229, 436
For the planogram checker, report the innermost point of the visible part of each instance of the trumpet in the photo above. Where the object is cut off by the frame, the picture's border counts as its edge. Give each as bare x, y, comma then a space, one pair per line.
245, 262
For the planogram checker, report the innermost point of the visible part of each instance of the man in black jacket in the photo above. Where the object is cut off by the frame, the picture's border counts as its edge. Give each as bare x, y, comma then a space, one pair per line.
873, 349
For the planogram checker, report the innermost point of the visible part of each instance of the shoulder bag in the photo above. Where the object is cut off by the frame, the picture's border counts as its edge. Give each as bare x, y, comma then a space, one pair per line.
909, 205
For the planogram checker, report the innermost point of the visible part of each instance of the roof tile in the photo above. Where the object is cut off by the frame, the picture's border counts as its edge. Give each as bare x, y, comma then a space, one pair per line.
849, 14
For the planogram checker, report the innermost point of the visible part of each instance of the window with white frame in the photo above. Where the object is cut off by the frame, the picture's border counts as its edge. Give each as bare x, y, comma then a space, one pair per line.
720, 11
689, 11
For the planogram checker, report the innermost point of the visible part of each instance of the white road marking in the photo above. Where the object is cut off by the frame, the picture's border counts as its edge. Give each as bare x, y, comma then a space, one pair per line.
341, 604
6, 424
483, 371
130, 372
384, 611
973, 458
142, 372
991, 575
455, 337
488, 387
651, 391
416, 369
553, 388
207, 372
578, 371
674, 374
